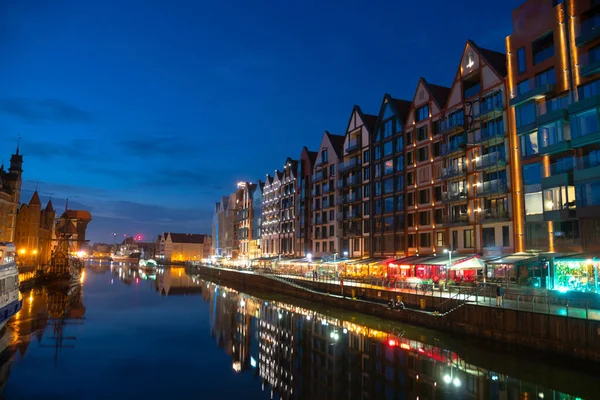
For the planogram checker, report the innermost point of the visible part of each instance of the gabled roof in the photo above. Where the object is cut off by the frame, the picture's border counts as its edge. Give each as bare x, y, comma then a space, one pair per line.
49, 206
35, 199
439, 93
402, 108
187, 238
494, 59
368, 120
337, 142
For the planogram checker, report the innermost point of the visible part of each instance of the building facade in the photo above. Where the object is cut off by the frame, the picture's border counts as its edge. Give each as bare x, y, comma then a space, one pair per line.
184, 247
287, 212
34, 232
271, 216
354, 185
254, 245
10, 196
325, 229
223, 220
304, 202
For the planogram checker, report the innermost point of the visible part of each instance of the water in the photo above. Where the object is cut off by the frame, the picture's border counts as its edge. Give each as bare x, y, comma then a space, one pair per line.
123, 334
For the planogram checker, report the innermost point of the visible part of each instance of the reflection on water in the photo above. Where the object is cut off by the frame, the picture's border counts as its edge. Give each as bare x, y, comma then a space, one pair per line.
136, 325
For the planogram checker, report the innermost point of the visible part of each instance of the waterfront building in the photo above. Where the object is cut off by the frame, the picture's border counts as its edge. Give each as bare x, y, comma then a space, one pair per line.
477, 184
254, 244
74, 223
222, 228
387, 208
271, 216
304, 202
554, 86
354, 172
422, 157
245, 218
10, 196
325, 231
34, 233
287, 211
183, 247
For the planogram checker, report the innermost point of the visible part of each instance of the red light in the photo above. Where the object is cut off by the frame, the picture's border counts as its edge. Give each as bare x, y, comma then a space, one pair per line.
421, 351
392, 342
137, 280
405, 346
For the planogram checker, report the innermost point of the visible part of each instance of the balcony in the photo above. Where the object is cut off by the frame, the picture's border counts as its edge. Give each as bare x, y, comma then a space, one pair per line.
552, 116
489, 188
352, 197
319, 176
552, 143
353, 145
560, 215
456, 220
536, 93
350, 164
457, 144
453, 124
493, 215
557, 180
588, 169
489, 109
591, 134
486, 135
589, 68
351, 214
454, 196
588, 31
453, 172
490, 160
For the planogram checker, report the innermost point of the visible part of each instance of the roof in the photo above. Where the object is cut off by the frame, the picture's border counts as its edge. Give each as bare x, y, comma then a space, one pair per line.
187, 238
369, 121
337, 142
78, 214
35, 199
515, 259
439, 93
495, 59
402, 108
49, 206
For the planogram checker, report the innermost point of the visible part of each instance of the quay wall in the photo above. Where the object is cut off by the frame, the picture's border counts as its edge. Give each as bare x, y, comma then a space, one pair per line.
571, 337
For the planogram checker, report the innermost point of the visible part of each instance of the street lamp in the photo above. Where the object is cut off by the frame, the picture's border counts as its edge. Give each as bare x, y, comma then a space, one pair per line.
345, 254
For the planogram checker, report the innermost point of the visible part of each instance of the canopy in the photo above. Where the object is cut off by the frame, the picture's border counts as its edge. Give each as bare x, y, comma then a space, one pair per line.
579, 257
515, 259
468, 263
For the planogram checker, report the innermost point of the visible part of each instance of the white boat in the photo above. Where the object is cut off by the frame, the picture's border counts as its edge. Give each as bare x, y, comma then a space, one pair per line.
148, 264
10, 304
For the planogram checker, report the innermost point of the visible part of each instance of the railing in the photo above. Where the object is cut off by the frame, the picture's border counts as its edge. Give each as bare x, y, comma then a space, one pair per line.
489, 160
457, 144
588, 162
352, 145
349, 164
490, 105
490, 187
457, 219
561, 168
353, 197
319, 176
352, 214
453, 196
454, 121
488, 133
491, 214
450, 172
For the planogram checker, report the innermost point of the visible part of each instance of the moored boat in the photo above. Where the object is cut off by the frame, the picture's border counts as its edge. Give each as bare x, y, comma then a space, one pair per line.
10, 304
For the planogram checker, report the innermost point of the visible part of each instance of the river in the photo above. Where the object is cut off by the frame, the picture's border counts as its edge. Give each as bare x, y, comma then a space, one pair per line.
123, 334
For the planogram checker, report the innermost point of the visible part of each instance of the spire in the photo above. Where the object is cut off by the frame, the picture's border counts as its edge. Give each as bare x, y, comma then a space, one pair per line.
35, 199
18, 144
67, 205
49, 206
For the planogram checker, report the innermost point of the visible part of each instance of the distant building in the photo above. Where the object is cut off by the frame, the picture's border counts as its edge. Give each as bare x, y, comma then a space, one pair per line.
223, 221
254, 243
304, 203
35, 232
10, 196
182, 247
74, 223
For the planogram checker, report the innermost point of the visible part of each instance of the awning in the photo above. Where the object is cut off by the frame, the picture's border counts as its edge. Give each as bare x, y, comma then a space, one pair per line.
514, 259
583, 257
468, 263
444, 259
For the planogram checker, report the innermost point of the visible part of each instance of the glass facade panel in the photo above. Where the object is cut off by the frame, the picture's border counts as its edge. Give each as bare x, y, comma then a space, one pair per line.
529, 144
521, 60
585, 123
551, 134
588, 194
532, 174
525, 114
533, 203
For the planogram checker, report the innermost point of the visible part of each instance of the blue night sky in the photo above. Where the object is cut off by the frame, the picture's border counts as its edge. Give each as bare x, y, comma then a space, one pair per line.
145, 112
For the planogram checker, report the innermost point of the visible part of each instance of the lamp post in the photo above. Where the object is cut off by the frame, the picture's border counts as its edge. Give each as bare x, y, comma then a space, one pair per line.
449, 262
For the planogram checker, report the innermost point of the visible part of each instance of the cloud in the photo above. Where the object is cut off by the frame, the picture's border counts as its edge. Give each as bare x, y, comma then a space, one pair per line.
48, 111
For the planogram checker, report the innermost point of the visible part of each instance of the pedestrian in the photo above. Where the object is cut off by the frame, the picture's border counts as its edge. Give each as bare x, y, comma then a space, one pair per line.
498, 295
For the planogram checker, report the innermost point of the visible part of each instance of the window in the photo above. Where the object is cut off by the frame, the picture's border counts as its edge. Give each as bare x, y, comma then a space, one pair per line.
317, 247
411, 199
425, 240
525, 114
589, 90
410, 240
422, 113
423, 154
523, 86
424, 218
437, 149
489, 237
588, 194
399, 144
547, 77
521, 60
551, 134
399, 203
438, 215
584, 123
424, 196
439, 239
437, 193
435, 127
400, 163
388, 224
529, 144
400, 183
409, 138
388, 128
454, 243
388, 186
505, 237
377, 154
324, 246
423, 174
388, 167
559, 198
331, 234
532, 174
543, 48
366, 156
366, 191
410, 178
324, 156
366, 208
367, 173
377, 207
378, 189
409, 158
422, 133
468, 238
332, 170
533, 203
411, 220
388, 148
388, 204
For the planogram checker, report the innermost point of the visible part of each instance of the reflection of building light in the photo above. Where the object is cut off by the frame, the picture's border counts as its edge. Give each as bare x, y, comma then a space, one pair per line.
237, 366
252, 362
456, 382
447, 378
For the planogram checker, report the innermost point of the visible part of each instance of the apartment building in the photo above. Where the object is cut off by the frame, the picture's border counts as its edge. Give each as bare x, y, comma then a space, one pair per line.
354, 185
245, 218
553, 70
386, 212
326, 238
287, 209
422, 154
476, 167
271, 216
304, 202
254, 243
